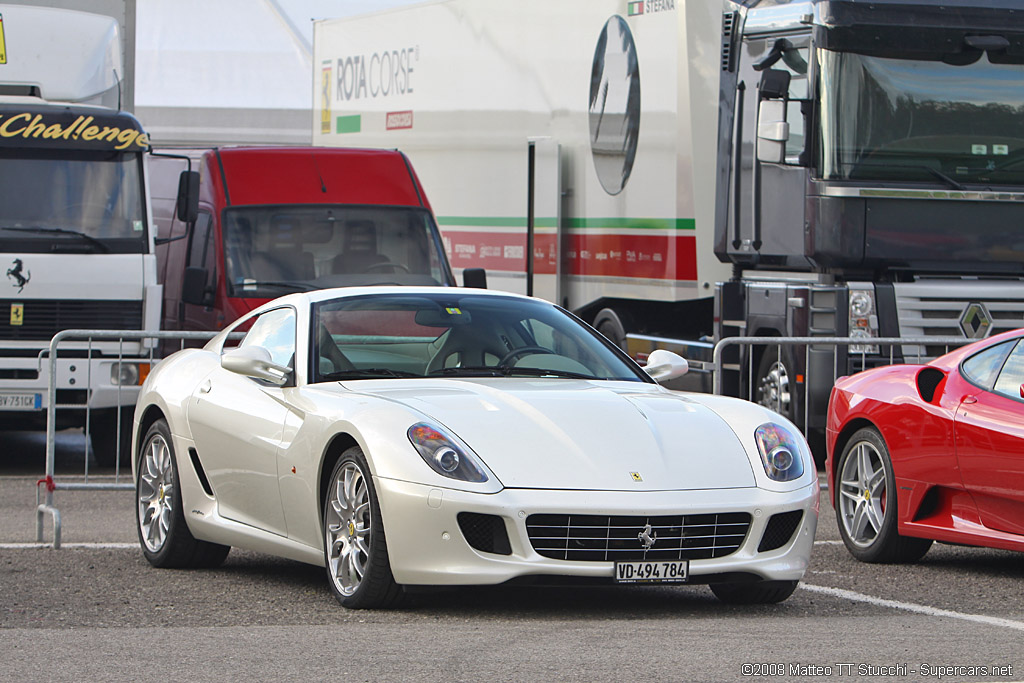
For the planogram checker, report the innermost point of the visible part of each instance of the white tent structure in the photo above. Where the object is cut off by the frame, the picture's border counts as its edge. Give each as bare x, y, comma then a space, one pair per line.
230, 71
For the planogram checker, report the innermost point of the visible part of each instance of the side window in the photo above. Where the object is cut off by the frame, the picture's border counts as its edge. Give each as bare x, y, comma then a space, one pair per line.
982, 368
275, 331
1012, 374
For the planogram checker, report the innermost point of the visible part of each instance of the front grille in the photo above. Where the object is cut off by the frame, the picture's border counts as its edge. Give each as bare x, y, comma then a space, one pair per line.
926, 309
616, 538
41, 319
779, 530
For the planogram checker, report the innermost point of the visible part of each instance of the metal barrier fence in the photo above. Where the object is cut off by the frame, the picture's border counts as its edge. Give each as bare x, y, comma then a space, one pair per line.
916, 343
121, 336
47, 506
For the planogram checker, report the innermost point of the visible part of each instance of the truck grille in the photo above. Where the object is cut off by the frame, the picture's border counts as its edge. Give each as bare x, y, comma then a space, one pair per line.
43, 318
611, 538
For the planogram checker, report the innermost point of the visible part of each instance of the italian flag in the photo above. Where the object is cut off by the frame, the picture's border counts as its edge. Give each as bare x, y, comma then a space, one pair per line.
636, 8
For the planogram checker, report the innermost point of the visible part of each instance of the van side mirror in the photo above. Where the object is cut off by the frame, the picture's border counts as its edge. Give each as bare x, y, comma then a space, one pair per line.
474, 277
772, 131
193, 287
188, 197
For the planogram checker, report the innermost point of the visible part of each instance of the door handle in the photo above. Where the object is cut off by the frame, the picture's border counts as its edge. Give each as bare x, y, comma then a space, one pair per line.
205, 387
970, 399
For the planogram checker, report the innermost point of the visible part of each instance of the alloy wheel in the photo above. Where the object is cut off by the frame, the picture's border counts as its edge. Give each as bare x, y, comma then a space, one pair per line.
862, 494
348, 528
156, 493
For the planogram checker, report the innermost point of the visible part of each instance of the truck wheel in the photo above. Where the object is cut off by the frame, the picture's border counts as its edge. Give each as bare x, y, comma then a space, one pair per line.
104, 428
608, 323
774, 385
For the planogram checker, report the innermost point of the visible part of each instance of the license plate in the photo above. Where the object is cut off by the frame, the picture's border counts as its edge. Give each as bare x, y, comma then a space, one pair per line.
652, 572
21, 401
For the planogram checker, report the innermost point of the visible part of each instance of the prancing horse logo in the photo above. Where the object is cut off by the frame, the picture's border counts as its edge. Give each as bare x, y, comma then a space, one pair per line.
19, 280
647, 538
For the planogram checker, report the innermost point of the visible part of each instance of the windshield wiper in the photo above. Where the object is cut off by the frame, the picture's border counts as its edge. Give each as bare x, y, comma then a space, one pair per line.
470, 371
544, 372
61, 231
365, 373
297, 286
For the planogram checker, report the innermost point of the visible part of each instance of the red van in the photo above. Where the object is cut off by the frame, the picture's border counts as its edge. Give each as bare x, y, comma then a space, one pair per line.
275, 220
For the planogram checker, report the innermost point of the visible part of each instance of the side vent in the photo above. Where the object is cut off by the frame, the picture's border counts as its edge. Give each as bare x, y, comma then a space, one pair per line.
928, 380
728, 29
198, 467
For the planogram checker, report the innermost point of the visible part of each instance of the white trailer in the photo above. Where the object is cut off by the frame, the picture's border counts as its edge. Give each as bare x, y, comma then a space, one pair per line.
577, 126
76, 236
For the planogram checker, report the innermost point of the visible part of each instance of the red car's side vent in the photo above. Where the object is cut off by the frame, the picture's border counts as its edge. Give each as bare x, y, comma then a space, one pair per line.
928, 380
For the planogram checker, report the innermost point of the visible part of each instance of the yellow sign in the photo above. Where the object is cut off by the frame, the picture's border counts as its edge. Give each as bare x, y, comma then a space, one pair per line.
325, 104
31, 125
17, 314
3, 43
636, 476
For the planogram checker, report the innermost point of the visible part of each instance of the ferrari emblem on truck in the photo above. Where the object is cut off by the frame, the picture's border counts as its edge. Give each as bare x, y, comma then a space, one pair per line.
3, 44
15, 273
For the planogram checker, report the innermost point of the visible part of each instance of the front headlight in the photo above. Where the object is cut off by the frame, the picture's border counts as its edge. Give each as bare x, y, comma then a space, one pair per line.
780, 452
445, 454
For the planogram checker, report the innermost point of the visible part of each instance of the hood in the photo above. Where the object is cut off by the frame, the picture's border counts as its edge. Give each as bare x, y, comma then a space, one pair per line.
578, 434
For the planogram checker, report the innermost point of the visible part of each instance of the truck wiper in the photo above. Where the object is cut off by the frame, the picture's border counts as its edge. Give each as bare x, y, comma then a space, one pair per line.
61, 231
297, 286
943, 177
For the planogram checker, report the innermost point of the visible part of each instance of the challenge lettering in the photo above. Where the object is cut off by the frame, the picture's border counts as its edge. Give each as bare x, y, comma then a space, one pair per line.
27, 126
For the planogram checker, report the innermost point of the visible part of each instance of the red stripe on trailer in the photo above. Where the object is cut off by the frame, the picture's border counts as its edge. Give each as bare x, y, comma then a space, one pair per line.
660, 257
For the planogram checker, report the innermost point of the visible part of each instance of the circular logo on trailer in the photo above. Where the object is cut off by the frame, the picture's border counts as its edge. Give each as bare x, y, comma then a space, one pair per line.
614, 105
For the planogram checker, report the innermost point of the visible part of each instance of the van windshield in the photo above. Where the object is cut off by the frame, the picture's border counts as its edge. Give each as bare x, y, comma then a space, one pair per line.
271, 250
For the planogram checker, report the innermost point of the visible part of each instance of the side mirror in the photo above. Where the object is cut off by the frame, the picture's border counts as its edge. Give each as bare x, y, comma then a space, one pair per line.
1022, 390
188, 197
772, 131
474, 277
193, 287
255, 361
664, 365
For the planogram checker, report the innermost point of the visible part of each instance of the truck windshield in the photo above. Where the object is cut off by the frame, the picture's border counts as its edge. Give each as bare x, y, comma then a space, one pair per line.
886, 119
74, 202
271, 250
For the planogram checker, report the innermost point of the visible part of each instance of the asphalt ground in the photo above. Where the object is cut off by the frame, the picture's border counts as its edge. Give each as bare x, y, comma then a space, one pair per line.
95, 610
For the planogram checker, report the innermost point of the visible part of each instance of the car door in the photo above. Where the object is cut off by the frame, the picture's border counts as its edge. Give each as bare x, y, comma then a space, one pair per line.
989, 431
237, 424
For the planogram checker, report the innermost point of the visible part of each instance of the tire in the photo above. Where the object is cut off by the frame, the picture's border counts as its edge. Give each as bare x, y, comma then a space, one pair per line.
104, 429
355, 550
865, 503
775, 387
163, 534
754, 592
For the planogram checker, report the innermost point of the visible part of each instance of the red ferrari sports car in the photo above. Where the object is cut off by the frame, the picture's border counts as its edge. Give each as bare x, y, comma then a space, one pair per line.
922, 453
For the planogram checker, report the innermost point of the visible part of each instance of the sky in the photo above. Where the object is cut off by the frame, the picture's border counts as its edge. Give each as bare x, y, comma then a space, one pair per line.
232, 53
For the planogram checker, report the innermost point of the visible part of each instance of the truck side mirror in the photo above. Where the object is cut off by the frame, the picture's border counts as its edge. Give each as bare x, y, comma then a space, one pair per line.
193, 287
772, 131
188, 197
474, 277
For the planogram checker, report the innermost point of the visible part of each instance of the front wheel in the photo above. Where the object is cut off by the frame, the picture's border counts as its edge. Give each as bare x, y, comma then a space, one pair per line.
866, 503
754, 592
165, 538
774, 387
355, 550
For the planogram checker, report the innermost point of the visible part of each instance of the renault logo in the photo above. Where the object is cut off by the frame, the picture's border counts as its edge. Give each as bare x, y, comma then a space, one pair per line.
976, 322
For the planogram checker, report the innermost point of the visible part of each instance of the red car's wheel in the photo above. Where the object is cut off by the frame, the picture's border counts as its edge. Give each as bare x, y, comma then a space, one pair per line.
866, 503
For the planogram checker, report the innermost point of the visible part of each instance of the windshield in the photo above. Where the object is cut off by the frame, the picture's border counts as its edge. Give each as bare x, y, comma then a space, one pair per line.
457, 336
271, 250
77, 201
899, 119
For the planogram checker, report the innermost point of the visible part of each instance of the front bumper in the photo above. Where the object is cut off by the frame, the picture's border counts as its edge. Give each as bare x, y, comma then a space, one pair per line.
427, 547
